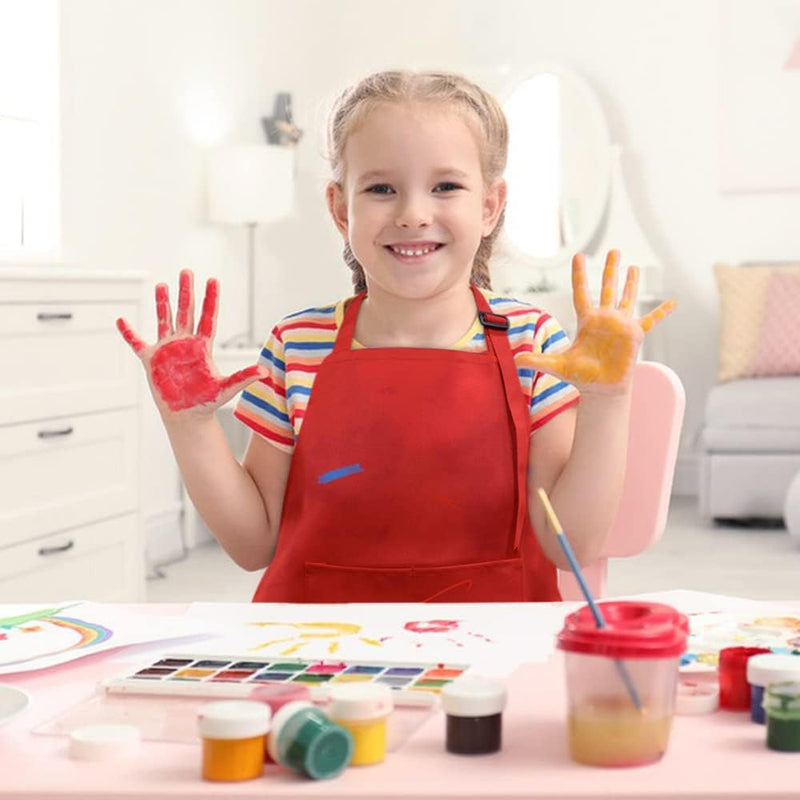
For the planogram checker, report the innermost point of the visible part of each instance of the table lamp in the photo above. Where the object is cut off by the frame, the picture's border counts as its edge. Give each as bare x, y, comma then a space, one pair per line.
248, 185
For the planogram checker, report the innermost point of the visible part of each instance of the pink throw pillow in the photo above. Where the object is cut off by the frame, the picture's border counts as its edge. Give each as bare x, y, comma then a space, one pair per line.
778, 349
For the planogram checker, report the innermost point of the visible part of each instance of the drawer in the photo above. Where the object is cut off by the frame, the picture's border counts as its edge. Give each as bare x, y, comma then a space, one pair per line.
67, 471
101, 562
65, 358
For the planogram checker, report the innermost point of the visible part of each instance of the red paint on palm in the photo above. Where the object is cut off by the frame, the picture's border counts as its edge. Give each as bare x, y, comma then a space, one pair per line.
182, 374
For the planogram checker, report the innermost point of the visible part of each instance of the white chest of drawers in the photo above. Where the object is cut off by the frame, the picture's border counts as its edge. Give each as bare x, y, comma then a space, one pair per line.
70, 521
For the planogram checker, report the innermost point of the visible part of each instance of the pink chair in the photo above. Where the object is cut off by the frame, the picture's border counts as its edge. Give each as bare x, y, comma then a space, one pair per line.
656, 418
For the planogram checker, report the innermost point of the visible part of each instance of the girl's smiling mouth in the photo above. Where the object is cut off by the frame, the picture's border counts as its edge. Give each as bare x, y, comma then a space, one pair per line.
413, 250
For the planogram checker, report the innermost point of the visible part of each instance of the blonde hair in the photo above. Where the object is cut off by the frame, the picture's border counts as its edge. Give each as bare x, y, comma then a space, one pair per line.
353, 104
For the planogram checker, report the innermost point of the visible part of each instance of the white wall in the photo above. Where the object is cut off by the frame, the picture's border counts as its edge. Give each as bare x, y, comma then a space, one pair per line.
141, 78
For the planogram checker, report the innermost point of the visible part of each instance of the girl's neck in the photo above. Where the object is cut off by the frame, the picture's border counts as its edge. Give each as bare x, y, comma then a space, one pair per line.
439, 321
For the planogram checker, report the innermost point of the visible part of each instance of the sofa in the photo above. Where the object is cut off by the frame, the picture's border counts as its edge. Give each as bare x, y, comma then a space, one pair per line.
749, 447
750, 441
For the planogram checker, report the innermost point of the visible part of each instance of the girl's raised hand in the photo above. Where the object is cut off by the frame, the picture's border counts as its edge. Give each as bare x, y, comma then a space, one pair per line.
602, 357
179, 365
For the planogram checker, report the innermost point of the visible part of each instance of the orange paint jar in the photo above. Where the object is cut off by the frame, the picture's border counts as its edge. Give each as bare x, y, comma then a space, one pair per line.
233, 734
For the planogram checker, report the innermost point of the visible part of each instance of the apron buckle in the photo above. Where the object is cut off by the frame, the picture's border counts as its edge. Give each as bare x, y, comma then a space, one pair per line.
497, 321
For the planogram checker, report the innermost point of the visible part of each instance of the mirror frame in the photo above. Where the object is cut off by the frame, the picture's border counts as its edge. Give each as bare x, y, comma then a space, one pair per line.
598, 212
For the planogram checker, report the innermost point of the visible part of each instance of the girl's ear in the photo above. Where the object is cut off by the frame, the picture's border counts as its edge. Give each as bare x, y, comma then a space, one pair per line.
493, 204
337, 205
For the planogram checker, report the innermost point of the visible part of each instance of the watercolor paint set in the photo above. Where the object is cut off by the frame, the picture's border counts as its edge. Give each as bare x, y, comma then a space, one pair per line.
198, 675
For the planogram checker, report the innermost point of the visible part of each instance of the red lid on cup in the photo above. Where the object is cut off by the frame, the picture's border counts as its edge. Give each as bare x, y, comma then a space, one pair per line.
633, 630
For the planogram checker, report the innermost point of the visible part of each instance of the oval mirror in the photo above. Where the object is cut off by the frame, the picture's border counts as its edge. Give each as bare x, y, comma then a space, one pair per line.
559, 165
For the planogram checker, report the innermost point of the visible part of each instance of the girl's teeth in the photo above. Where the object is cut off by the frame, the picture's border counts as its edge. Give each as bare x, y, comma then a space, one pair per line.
421, 252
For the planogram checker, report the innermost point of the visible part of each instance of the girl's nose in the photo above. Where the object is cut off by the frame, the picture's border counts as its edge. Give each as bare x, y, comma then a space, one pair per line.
413, 213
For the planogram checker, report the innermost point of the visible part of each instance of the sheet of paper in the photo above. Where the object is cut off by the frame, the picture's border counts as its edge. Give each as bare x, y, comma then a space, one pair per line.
493, 638
38, 636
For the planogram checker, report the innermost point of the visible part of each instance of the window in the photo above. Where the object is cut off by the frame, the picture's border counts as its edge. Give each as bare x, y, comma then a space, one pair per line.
29, 140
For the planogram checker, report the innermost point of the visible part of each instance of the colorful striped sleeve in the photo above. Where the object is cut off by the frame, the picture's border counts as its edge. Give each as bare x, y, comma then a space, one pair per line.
263, 406
549, 395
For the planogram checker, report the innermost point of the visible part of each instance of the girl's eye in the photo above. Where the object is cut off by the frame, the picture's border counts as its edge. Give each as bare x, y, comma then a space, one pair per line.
446, 186
380, 188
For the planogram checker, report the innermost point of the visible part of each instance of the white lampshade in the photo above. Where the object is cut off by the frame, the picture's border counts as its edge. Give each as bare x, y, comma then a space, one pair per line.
250, 183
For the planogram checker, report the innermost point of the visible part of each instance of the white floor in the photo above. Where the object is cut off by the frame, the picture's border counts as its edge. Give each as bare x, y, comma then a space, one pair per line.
760, 563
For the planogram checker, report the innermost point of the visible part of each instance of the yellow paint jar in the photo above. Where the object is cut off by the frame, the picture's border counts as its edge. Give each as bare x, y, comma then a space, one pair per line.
363, 709
233, 734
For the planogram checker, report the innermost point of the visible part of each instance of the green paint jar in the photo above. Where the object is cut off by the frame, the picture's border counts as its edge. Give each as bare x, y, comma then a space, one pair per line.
305, 740
782, 709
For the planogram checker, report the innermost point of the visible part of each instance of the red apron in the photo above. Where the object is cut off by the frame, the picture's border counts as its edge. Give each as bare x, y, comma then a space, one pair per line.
408, 480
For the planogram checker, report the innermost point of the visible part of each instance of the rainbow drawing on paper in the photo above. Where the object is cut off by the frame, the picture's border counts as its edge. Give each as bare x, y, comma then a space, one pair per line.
710, 632
46, 632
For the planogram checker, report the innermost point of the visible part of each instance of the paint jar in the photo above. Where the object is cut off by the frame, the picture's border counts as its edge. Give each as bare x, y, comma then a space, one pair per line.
734, 690
767, 668
474, 710
782, 708
621, 681
233, 734
303, 739
363, 708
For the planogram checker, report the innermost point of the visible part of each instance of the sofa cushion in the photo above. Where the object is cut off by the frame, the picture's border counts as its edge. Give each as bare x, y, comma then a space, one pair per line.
755, 403
751, 440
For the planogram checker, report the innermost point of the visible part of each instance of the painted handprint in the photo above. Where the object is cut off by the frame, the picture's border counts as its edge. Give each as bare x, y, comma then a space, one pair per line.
179, 365
602, 357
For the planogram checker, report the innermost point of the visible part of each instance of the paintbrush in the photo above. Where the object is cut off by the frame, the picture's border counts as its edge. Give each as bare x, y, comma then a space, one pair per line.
576, 570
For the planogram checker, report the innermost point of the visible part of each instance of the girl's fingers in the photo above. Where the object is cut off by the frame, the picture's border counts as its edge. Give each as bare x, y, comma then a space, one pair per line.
649, 321
580, 291
208, 318
163, 311
130, 337
234, 384
630, 291
185, 303
608, 291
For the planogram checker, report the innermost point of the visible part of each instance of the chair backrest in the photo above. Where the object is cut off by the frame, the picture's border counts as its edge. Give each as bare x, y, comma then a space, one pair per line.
657, 407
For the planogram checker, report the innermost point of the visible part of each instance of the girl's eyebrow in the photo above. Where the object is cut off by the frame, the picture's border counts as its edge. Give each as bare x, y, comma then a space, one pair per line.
380, 174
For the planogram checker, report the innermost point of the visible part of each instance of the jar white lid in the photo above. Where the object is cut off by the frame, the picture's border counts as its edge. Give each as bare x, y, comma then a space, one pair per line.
356, 701
766, 668
700, 697
234, 719
471, 696
102, 742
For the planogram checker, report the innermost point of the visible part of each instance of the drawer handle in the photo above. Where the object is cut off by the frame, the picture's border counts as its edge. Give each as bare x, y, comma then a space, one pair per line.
54, 434
62, 548
51, 316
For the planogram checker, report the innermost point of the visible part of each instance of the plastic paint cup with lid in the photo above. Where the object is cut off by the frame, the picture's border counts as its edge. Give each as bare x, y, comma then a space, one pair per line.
363, 708
605, 726
474, 708
303, 739
734, 690
764, 669
233, 739
782, 707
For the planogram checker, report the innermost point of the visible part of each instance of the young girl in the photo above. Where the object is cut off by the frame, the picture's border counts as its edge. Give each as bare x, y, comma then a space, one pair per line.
400, 435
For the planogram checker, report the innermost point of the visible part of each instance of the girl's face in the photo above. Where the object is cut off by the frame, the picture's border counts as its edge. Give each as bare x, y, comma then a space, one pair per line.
413, 206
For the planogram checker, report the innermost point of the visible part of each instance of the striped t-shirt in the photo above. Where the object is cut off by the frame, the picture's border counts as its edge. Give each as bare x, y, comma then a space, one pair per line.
275, 406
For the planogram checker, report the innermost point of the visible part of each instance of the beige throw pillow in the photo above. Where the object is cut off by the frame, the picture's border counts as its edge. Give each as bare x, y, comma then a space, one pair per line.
743, 299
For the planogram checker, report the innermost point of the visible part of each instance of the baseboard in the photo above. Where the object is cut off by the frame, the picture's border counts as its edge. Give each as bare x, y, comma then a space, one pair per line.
686, 476
163, 537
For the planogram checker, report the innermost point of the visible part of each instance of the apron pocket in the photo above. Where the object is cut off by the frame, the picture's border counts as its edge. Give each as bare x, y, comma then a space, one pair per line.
483, 582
